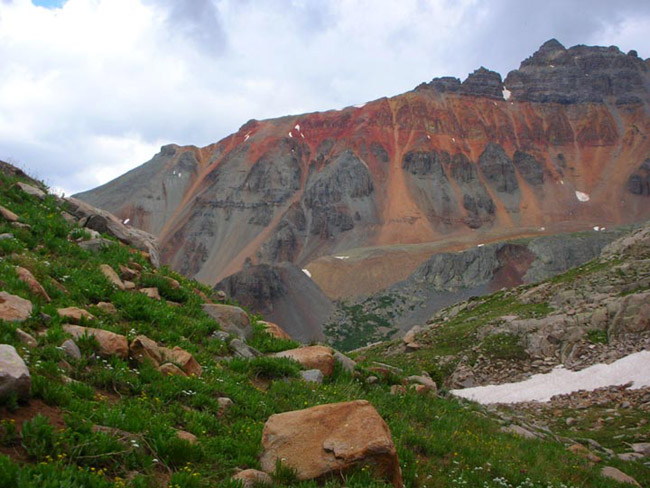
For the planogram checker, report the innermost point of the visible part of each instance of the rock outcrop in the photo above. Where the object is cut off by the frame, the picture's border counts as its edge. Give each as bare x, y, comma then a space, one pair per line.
13, 308
328, 439
14, 374
312, 357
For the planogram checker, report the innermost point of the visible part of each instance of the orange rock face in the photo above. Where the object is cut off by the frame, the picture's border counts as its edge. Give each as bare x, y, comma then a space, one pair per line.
110, 343
328, 439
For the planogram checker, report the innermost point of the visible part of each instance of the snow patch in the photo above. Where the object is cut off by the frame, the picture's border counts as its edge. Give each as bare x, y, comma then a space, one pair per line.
542, 229
290, 134
583, 197
506, 93
560, 381
306, 271
480, 245
453, 139
179, 174
302, 135
342, 257
247, 136
297, 127
428, 137
126, 221
596, 228
361, 105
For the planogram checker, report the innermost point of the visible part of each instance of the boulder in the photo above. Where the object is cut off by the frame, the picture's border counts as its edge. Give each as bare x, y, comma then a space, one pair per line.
312, 357
520, 431
34, 286
224, 403
150, 292
26, 338
583, 452
110, 343
617, 475
74, 314
170, 369
275, 330
13, 308
95, 245
111, 276
31, 190
14, 374
107, 307
347, 363
8, 215
102, 221
633, 316
144, 349
187, 436
232, 319
328, 439
128, 273
71, 349
251, 478
243, 350
423, 380
183, 359
312, 376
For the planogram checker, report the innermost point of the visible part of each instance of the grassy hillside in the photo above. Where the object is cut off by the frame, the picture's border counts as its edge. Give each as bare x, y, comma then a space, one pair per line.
54, 439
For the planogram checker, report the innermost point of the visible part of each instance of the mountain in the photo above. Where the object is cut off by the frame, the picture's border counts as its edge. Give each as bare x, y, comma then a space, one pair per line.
361, 197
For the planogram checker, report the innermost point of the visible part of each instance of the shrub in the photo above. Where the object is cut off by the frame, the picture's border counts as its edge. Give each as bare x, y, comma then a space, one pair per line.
38, 437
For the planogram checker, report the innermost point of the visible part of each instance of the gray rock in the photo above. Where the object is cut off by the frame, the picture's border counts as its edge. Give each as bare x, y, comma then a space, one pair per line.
641, 448
232, 319
225, 402
95, 245
105, 222
630, 456
520, 431
579, 74
483, 83
6, 236
371, 380
220, 335
347, 363
32, 190
14, 374
243, 350
71, 349
312, 375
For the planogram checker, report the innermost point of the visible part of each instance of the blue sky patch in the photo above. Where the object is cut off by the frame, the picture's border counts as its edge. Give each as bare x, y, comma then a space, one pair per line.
49, 3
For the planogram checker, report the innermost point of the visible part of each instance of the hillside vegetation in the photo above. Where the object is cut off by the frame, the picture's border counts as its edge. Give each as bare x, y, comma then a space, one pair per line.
107, 419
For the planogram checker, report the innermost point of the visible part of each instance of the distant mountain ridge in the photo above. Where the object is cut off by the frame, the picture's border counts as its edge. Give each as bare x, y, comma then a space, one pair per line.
560, 145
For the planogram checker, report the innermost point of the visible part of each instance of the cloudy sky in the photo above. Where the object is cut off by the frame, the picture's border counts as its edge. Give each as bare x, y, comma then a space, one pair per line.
92, 88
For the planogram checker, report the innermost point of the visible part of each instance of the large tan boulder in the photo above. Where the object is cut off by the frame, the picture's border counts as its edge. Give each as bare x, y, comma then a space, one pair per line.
618, 475
152, 293
144, 349
312, 357
35, 287
232, 319
13, 308
110, 343
111, 276
75, 314
183, 359
275, 330
14, 374
328, 439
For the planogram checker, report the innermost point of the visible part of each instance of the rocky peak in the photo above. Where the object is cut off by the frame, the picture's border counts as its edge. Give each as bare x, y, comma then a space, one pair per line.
580, 74
483, 83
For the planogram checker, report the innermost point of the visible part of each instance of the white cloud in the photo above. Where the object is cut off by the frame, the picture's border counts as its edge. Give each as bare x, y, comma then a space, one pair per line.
93, 88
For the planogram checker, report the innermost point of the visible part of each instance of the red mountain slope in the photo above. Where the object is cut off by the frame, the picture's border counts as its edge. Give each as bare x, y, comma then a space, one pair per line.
385, 185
